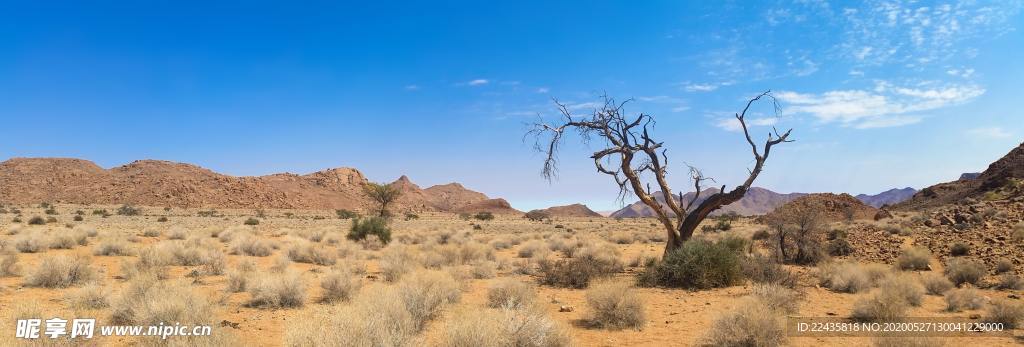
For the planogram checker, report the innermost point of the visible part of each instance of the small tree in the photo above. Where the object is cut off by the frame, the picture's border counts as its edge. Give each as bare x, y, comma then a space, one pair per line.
484, 216
382, 195
631, 153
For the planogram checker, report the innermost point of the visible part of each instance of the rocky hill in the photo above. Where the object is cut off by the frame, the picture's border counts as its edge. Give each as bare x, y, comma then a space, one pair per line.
998, 174
164, 183
888, 197
757, 201
574, 210
830, 207
496, 206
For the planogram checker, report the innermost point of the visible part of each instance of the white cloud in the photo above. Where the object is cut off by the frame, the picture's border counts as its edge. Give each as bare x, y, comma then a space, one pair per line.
543, 90
678, 109
732, 124
412, 87
704, 87
478, 82
883, 106
989, 133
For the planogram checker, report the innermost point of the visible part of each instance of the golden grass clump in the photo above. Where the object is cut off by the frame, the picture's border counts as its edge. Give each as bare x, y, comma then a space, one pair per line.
311, 253
377, 317
518, 326
615, 305
936, 284
425, 292
964, 299
277, 291
508, 292
881, 306
339, 285
751, 323
148, 301
914, 258
60, 272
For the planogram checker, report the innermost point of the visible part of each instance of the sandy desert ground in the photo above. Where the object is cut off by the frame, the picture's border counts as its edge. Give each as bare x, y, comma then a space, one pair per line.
458, 278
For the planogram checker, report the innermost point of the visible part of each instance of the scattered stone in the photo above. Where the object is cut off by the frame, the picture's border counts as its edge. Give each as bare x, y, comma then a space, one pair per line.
564, 308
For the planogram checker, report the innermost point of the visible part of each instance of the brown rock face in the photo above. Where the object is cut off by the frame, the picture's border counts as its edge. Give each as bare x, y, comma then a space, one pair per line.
832, 207
574, 210
496, 206
164, 183
998, 174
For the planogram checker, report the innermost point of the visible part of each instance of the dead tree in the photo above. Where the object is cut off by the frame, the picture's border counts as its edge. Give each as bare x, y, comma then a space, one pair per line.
630, 153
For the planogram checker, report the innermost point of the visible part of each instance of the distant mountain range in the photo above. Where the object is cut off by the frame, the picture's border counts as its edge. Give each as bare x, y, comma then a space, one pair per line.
165, 183
759, 201
998, 174
574, 210
888, 197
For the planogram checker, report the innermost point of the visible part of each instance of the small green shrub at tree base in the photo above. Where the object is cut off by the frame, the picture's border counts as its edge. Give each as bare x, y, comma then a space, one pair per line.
36, 220
252, 221
361, 228
698, 264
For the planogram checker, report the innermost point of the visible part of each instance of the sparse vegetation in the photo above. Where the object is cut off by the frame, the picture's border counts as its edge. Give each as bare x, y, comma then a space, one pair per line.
129, 210
277, 291
60, 272
615, 305
751, 323
1004, 311
961, 271
510, 293
698, 264
963, 299
914, 258
375, 226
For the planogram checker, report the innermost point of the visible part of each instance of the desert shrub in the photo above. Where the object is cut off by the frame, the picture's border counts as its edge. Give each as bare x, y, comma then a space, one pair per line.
485, 269
530, 248
376, 226
425, 292
963, 299
750, 323
128, 210
519, 326
508, 292
78, 218
881, 306
151, 233
339, 286
537, 215
844, 277
112, 247
839, 247
914, 258
280, 264
277, 291
396, 262
936, 284
905, 287
29, 243
378, 317
762, 269
147, 301
959, 249
9, 264
306, 252
36, 220
761, 234
60, 272
91, 297
1010, 281
346, 214
778, 298
177, 233
698, 264
962, 271
575, 272
615, 305
1018, 232
251, 221
1004, 311
251, 245
240, 277
1004, 265
622, 238
484, 216
62, 241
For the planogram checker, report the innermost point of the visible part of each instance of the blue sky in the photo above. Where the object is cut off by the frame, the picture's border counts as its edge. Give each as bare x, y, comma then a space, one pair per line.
880, 94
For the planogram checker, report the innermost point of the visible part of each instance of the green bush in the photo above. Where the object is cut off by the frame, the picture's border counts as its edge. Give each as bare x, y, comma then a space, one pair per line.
839, 247
346, 214
361, 228
538, 215
484, 216
411, 216
252, 221
698, 264
37, 220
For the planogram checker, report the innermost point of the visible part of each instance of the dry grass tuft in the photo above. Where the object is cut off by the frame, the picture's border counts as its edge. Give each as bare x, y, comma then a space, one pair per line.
777, 297
905, 287
277, 291
1007, 312
91, 297
936, 284
252, 246
751, 323
378, 317
60, 272
521, 326
507, 292
425, 292
881, 306
307, 252
339, 285
9, 265
113, 247
615, 305
962, 271
148, 301
914, 258
963, 299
